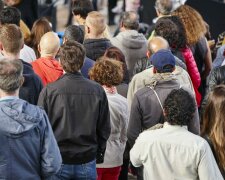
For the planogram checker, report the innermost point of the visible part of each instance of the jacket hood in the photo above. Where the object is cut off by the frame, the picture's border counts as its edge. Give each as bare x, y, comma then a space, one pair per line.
17, 116
132, 39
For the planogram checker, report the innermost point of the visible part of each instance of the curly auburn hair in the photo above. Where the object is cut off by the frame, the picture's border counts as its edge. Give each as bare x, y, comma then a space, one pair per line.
107, 72
193, 23
179, 107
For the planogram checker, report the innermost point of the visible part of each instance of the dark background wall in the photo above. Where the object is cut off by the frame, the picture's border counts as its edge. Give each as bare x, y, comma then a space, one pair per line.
212, 11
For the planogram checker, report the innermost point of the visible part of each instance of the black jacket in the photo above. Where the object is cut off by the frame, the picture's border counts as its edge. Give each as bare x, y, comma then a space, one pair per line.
79, 114
95, 48
32, 85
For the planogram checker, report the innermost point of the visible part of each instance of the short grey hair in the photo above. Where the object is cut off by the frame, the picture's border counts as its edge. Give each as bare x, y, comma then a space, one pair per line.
164, 6
130, 20
11, 75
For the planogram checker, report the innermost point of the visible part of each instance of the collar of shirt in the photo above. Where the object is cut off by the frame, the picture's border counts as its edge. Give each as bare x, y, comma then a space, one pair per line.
8, 98
169, 126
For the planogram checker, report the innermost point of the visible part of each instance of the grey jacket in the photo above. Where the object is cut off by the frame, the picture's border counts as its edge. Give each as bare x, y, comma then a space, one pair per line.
117, 140
147, 112
29, 149
133, 45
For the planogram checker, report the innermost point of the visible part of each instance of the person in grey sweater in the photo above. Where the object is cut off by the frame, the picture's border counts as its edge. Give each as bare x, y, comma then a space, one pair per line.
109, 74
130, 42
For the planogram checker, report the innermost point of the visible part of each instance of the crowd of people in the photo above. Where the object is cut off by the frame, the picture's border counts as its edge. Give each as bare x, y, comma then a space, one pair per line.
91, 106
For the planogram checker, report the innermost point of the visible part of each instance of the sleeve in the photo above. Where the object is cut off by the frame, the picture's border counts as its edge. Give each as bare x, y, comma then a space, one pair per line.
42, 100
103, 129
136, 153
208, 168
124, 124
50, 155
134, 126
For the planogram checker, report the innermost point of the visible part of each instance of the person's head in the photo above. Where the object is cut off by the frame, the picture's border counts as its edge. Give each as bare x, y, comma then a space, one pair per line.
179, 107
155, 44
116, 54
72, 56
95, 25
80, 9
214, 122
49, 45
11, 40
39, 28
163, 61
163, 7
74, 33
10, 15
12, 2
107, 72
171, 29
11, 76
193, 23
129, 21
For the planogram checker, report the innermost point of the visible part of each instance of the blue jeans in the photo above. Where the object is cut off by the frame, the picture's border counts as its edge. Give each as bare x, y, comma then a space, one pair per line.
78, 172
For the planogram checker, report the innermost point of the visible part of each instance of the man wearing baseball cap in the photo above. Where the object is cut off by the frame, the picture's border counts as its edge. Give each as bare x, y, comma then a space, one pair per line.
147, 105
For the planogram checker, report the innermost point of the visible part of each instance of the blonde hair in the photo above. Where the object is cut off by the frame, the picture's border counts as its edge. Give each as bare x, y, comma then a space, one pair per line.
214, 123
193, 22
97, 22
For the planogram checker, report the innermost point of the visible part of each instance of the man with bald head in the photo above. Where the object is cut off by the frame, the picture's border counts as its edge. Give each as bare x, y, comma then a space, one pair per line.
47, 67
142, 79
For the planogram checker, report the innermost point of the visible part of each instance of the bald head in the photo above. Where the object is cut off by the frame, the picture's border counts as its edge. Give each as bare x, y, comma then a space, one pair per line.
49, 44
157, 43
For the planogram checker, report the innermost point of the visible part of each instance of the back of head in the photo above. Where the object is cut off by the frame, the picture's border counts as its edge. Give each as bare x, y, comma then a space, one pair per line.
157, 43
10, 15
49, 44
11, 75
72, 56
74, 33
179, 107
96, 22
82, 7
167, 29
40, 27
115, 53
163, 61
11, 38
193, 23
213, 122
130, 20
164, 7
107, 72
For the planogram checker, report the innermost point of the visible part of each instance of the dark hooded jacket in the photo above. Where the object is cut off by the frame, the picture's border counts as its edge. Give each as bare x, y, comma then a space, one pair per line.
28, 147
95, 48
32, 85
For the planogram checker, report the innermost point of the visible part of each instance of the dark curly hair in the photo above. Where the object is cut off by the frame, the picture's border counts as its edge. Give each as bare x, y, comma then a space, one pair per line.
171, 29
179, 107
107, 72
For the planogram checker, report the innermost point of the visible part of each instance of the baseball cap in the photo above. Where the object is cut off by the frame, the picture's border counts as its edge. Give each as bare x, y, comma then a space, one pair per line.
161, 59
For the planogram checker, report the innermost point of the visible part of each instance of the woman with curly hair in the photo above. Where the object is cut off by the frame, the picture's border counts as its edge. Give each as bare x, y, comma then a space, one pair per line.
40, 27
109, 74
171, 28
213, 128
195, 29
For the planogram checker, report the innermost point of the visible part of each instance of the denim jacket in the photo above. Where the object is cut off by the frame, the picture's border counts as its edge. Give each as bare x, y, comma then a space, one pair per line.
28, 149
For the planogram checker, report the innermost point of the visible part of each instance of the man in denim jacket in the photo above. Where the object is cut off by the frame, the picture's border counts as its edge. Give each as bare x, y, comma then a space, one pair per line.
28, 146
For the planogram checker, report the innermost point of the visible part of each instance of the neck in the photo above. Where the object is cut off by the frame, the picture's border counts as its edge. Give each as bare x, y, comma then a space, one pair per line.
5, 94
11, 56
81, 21
48, 56
91, 36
